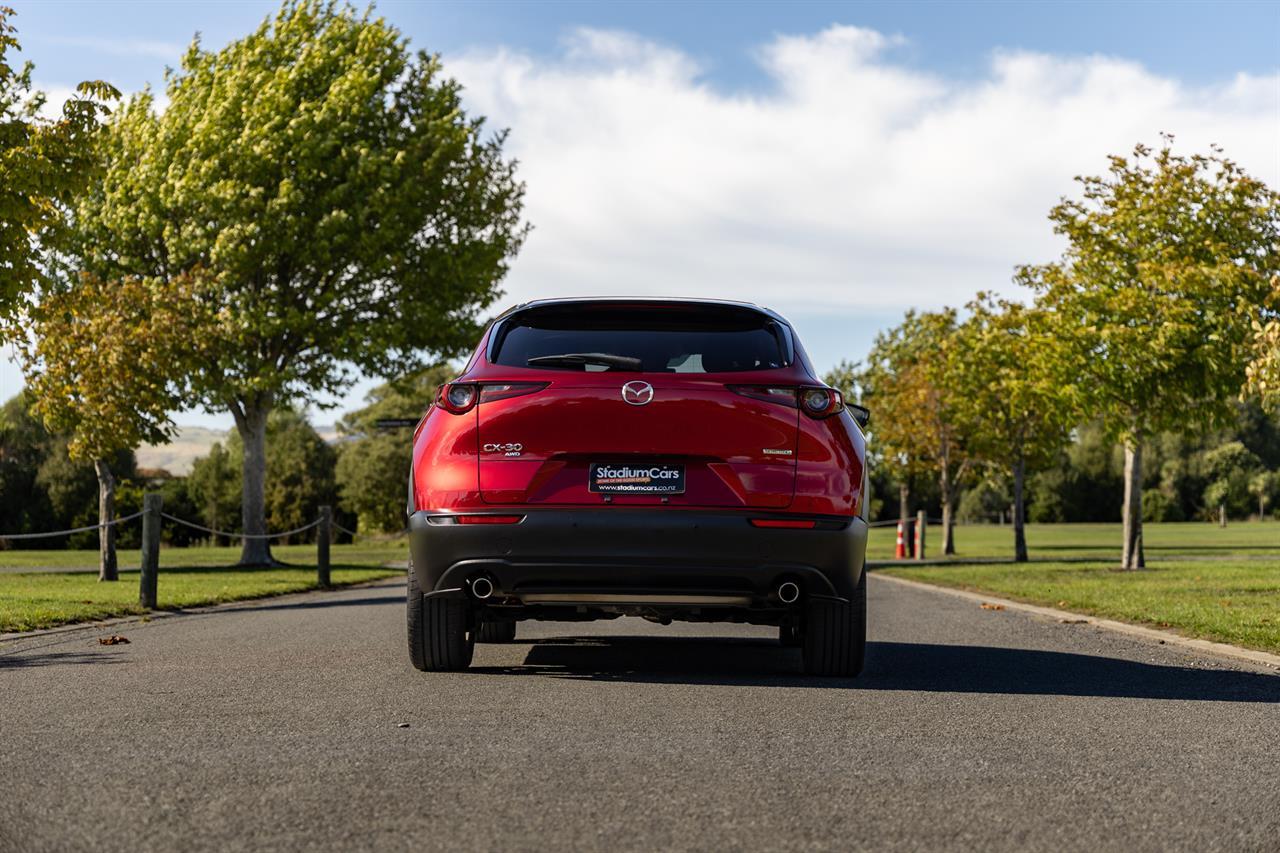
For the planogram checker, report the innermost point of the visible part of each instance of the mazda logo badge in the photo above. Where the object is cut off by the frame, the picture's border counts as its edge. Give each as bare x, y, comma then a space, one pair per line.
637, 393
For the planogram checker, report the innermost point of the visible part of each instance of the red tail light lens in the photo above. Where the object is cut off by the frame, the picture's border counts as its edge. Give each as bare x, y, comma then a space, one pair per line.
457, 397
821, 402
488, 519
790, 523
768, 393
489, 393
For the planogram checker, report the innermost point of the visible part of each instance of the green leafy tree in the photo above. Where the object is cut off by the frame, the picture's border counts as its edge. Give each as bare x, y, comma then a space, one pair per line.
1263, 486
908, 386
351, 216
24, 446
1009, 392
1168, 265
1263, 371
1231, 468
214, 487
103, 362
43, 164
373, 463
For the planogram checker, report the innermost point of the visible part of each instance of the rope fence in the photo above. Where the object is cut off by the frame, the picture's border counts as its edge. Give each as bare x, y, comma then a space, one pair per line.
112, 523
231, 535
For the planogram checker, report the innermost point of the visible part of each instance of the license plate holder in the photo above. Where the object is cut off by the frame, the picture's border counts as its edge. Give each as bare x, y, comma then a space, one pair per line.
636, 478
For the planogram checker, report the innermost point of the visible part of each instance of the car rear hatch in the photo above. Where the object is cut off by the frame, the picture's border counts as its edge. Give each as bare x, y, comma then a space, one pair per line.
673, 426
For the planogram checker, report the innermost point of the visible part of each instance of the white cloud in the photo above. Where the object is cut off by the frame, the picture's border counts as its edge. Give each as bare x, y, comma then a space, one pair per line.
852, 183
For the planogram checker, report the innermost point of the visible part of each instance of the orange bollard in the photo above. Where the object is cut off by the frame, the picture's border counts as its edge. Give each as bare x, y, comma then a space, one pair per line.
902, 544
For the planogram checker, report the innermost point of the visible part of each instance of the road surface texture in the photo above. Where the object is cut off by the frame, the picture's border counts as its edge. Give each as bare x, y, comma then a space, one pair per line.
281, 724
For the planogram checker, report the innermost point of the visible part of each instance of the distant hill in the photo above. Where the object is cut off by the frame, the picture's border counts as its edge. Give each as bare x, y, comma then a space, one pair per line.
191, 443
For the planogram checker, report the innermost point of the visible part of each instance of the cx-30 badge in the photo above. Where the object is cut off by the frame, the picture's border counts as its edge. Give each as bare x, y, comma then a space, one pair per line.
637, 393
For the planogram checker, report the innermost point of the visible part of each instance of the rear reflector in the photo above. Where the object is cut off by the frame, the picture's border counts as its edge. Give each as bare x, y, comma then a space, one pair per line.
794, 523
476, 519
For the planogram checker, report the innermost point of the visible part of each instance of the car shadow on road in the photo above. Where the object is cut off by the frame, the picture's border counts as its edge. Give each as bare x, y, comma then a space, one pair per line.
923, 667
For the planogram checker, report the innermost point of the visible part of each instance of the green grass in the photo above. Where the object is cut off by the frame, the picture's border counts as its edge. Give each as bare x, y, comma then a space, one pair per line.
45, 599
1094, 541
1229, 601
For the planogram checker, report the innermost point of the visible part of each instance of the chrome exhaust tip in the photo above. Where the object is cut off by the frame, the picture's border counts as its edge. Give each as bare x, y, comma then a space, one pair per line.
482, 587
788, 592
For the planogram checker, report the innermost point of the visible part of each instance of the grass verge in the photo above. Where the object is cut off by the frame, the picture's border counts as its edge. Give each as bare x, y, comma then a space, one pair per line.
37, 600
1231, 602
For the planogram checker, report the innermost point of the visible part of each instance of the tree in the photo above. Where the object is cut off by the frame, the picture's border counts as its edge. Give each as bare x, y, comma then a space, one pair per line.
907, 384
1263, 485
214, 487
43, 164
103, 363
1009, 392
373, 464
1231, 468
1263, 372
351, 216
1168, 263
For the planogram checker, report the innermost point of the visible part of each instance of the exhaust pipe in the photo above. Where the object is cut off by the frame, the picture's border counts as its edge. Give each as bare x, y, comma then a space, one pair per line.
788, 592
482, 587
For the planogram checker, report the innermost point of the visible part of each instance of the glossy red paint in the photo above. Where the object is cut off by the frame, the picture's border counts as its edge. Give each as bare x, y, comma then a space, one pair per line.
530, 435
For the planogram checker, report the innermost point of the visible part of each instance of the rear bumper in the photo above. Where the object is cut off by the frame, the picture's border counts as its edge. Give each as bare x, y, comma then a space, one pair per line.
672, 558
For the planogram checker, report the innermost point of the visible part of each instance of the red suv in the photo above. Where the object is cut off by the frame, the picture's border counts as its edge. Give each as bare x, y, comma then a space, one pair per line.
670, 459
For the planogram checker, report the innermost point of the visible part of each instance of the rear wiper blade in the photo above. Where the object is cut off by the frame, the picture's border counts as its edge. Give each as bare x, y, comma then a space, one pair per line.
574, 359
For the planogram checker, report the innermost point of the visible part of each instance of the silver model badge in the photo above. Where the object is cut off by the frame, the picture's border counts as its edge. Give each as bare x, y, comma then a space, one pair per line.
637, 393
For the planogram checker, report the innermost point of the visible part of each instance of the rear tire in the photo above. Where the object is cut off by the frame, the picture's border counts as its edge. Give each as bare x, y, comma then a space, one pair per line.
835, 635
439, 640
496, 632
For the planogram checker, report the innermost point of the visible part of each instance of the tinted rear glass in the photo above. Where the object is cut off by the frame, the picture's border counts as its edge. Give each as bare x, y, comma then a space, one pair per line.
667, 339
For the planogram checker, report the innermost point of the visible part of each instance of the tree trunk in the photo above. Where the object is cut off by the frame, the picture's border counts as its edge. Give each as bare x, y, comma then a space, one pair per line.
1019, 511
904, 501
948, 522
1132, 558
1222, 515
108, 569
252, 425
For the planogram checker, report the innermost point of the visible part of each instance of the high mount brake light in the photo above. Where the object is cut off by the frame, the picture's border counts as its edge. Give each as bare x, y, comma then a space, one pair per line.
459, 397
505, 391
769, 393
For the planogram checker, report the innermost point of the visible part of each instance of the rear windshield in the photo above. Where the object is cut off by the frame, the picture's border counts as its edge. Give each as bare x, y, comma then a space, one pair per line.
651, 339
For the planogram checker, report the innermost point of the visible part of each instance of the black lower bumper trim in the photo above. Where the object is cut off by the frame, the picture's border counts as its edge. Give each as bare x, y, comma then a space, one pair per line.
616, 551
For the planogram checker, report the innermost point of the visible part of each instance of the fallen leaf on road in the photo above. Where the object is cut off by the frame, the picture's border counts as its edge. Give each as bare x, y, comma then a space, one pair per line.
113, 640
1074, 621
987, 605
402, 725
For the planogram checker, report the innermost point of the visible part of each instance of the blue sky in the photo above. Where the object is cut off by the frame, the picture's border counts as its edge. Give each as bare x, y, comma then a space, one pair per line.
841, 162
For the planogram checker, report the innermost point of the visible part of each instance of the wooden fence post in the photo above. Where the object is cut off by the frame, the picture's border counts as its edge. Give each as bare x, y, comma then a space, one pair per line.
922, 521
322, 545
152, 503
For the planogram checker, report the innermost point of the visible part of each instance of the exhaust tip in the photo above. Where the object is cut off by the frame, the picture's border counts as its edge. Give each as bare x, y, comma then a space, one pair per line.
788, 592
482, 587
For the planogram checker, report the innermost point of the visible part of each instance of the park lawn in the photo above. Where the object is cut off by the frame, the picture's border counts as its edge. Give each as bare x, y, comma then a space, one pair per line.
360, 553
44, 599
1093, 541
1234, 602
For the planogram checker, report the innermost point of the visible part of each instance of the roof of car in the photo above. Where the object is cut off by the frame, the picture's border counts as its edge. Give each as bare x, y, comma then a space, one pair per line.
685, 300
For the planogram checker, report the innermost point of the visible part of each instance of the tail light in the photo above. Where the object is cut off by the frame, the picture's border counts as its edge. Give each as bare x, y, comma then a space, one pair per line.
821, 402
489, 393
814, 400
769, 393
460, 397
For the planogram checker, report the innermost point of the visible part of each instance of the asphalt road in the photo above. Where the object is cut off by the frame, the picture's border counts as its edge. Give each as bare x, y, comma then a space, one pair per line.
280, 725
